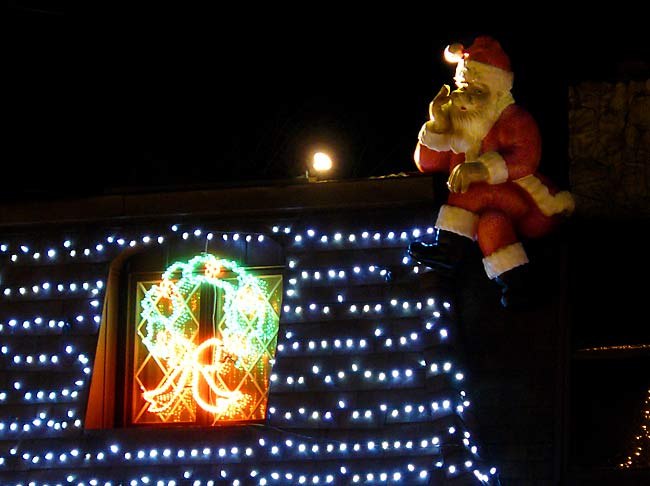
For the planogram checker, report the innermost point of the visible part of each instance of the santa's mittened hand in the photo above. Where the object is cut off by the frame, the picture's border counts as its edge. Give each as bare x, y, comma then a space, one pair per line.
465, 174
435, 107
438, 115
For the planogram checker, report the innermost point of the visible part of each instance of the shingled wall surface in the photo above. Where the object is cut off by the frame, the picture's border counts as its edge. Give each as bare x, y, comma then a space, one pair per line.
370, 384
609, 148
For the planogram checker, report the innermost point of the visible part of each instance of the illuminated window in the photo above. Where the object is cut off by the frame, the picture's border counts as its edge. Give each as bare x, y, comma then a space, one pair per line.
203, 338
194, 342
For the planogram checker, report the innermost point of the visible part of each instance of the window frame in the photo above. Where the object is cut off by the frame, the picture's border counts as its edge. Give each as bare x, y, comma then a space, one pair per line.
108, 407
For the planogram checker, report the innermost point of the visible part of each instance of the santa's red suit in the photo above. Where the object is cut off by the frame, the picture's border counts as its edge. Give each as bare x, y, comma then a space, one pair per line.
512, 200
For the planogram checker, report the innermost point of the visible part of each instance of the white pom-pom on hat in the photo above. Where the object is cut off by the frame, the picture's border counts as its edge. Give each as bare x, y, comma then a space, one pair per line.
484, 61
454, 53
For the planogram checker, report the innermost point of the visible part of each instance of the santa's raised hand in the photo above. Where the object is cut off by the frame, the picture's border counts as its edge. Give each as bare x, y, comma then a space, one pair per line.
439, 121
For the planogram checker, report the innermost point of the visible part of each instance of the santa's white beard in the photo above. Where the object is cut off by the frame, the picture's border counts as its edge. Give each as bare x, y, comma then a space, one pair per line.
470, 128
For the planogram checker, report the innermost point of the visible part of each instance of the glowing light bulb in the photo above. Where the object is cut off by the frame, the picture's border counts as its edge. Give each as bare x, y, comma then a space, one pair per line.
322, 162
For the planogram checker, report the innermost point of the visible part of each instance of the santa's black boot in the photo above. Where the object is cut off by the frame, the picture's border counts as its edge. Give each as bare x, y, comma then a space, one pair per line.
517, 288
446, 252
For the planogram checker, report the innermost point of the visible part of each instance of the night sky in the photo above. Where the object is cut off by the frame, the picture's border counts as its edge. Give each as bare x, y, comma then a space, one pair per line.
136, 98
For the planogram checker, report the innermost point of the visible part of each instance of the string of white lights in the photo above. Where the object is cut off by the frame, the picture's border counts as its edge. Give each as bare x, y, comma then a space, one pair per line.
272, 460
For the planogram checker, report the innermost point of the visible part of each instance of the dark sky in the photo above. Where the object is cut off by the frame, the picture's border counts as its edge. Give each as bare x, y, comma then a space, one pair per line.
101, 101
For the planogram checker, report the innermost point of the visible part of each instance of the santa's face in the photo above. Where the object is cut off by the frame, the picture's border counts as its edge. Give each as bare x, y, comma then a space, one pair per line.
472, 112
472, 99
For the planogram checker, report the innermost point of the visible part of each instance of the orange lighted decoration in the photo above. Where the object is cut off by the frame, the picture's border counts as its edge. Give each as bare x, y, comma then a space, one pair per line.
190, 368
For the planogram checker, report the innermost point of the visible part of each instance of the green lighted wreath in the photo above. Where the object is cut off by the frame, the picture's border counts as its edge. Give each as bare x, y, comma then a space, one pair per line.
249, 326
250, 322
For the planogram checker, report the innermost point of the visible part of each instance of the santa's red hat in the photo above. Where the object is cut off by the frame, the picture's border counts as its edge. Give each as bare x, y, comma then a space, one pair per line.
484, 61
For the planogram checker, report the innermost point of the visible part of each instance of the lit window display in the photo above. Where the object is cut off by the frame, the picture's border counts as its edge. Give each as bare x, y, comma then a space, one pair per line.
204, 341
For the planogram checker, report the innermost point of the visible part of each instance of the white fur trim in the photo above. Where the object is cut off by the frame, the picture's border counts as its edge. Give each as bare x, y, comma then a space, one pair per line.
564, 199
504, 259
457, 220
434, 141
496, 166
548, 204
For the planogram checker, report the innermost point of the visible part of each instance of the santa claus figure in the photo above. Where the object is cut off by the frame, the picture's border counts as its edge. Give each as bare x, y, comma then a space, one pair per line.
491, 149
